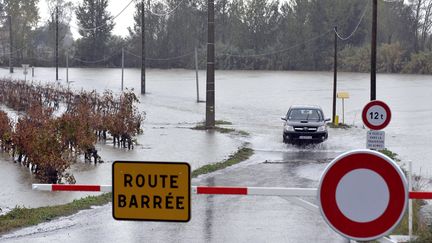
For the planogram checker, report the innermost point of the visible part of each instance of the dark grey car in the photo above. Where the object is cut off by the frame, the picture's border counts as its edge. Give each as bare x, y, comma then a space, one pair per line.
305, 123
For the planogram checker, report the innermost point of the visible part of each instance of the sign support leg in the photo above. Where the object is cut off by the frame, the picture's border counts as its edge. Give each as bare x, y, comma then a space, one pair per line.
410, 207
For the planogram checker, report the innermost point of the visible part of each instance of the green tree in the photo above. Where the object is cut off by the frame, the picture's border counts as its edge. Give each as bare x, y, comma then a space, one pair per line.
95, 25
25, 18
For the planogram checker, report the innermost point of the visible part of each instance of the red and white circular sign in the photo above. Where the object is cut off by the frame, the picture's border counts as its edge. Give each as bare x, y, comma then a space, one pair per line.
362, 194
376, 115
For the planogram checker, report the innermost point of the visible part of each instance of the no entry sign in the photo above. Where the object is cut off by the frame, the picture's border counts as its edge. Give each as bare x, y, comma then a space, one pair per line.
362, 194
376, 115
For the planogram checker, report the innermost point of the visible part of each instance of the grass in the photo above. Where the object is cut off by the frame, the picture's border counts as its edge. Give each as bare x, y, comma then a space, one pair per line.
392, 155
222, 122
241, 155
23, 217
201, 126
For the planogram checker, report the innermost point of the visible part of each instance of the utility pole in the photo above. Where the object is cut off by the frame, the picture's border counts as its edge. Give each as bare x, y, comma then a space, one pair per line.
143, 86
122, 76
196, 73
67, 67
11, 70
210, 89
56, 49
335, 75
373, 49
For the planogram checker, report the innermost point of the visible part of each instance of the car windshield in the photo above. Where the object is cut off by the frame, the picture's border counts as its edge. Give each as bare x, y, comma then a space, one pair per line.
304, 115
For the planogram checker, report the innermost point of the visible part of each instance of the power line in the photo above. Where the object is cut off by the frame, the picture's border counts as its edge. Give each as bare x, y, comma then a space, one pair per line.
161, 59
167, 12
102, 25
357, 26
280, 51
98, 60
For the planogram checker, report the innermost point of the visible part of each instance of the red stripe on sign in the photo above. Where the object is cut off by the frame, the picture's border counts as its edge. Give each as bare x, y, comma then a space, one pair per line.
87, 188
420, 195
222, 190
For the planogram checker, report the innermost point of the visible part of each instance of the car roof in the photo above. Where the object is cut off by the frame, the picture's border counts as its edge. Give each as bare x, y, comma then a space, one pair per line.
305, 107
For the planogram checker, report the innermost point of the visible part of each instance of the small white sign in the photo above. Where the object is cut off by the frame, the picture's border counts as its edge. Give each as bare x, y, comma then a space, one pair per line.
375, 140
25, 67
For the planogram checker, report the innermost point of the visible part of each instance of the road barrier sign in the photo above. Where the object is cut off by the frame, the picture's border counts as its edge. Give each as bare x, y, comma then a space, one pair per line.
152, 191
362, 194
375, 140
376, 115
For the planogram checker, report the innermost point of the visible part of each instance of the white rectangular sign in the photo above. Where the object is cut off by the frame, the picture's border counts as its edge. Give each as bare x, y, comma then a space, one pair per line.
375, 140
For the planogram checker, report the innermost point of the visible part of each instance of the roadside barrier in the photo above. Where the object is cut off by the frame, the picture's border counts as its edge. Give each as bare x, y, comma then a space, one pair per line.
213, 190
347, 186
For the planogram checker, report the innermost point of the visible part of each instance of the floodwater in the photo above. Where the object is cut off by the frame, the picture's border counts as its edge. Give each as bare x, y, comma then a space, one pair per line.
253, 101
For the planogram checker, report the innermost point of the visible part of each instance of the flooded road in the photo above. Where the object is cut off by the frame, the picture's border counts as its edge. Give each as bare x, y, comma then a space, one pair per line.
253, 101
214, 218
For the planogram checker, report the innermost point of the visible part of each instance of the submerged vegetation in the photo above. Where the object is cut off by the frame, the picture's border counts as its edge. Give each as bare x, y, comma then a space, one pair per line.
48, 143
221, 129
242, 154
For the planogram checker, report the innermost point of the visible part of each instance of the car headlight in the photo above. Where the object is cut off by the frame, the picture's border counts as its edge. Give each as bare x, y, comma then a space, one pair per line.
322, 128
289, 128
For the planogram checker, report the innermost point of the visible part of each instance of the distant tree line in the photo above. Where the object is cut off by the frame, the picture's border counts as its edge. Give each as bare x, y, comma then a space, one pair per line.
250, 34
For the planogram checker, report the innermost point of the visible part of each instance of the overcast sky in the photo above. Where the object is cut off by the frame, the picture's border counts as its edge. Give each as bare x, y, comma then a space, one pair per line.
114, 7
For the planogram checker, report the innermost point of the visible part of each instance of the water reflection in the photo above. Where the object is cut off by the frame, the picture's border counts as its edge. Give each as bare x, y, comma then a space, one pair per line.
209, 211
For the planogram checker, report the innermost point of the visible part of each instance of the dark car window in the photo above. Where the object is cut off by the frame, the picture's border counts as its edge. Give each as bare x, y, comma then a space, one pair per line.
304, 115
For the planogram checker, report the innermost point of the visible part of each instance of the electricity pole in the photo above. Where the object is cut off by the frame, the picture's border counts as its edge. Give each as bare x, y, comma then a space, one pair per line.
373, 49
122, 73
143, 86
335, 75
56, 49
210, 89
11, 70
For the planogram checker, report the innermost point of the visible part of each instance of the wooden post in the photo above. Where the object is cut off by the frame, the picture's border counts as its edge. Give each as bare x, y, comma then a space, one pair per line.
410, 207
11, 69
210, 89
343, 110
143, 86
373, 49
122, 72
196, 73
67, 67
334, 74
56, 48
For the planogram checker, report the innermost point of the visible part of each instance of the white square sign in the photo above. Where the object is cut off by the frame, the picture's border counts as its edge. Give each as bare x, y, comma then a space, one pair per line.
375, 140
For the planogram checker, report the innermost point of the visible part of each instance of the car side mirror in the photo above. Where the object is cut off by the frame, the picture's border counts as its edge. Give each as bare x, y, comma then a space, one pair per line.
327, 120
283, 118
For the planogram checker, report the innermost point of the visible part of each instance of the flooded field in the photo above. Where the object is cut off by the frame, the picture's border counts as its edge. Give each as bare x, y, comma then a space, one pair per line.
253, 101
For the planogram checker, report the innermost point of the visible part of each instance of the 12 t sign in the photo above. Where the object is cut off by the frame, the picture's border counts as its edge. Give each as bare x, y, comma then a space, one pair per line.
376, 115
